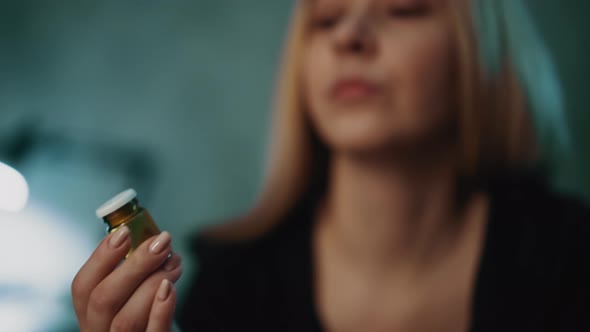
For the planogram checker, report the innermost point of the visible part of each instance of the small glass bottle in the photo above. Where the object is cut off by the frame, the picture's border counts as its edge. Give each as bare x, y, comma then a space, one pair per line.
124, 209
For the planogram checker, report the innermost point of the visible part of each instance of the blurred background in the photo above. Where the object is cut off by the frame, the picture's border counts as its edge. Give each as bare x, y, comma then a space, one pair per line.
171, 98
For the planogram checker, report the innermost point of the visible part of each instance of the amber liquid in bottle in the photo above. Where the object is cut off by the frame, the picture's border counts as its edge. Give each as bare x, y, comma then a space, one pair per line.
124, 210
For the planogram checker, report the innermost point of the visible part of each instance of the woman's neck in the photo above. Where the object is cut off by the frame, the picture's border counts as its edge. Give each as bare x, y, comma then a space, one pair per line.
383, 212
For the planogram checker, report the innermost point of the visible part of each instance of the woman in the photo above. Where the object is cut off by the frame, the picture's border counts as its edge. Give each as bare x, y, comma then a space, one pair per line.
401, 193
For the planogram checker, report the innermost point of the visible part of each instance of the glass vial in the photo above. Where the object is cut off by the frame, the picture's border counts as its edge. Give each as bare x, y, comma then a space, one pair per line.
124, 209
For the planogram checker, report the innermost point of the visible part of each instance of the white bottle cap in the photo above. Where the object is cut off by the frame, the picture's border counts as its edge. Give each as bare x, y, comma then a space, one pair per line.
116, 203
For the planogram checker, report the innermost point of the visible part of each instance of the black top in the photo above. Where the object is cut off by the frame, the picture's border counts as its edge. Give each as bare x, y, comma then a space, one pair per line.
534, 274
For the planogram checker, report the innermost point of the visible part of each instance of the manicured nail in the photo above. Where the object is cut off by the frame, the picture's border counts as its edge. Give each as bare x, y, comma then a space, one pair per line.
119, 237
160, 243
164, 290
171, 263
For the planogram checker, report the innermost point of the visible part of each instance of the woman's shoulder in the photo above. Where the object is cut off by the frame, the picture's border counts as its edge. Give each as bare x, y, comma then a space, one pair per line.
221, 293
247, 280
530, 200
540, 236
528, 212
537, 254
233, 261
236, 251
233, 285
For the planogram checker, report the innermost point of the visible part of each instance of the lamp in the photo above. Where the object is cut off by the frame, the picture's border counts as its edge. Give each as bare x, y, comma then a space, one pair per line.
14, 191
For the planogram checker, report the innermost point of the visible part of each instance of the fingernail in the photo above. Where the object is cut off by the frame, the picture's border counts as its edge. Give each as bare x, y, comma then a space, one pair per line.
170, 264
119, 237
160, 243
164, 290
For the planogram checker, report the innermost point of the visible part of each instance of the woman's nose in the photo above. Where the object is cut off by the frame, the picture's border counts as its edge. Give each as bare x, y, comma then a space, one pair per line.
356, 37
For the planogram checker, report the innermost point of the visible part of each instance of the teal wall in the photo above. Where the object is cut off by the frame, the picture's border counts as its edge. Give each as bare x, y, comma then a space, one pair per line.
565, 27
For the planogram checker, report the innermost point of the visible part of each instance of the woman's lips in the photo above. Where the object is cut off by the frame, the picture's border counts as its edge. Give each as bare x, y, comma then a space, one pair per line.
354, 89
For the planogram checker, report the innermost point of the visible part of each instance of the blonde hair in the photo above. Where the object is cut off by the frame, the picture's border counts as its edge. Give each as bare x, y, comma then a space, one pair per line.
494, 130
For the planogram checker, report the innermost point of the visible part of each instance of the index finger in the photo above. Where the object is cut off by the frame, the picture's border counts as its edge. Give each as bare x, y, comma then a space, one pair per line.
108, 254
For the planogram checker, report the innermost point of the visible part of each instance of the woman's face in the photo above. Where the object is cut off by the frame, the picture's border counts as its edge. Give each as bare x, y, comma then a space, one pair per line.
379, 73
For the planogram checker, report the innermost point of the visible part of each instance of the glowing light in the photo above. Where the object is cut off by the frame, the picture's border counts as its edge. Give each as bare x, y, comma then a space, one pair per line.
14, 191
43, 251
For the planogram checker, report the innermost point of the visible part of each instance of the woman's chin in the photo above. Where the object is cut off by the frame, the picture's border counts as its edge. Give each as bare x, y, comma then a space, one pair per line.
375, 139
369, 133
360, 143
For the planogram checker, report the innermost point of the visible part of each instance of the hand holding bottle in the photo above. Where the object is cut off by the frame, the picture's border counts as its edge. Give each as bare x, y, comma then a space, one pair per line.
138, 295
127, 284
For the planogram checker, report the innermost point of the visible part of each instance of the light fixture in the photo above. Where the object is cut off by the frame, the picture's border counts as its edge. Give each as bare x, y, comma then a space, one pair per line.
14, 191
